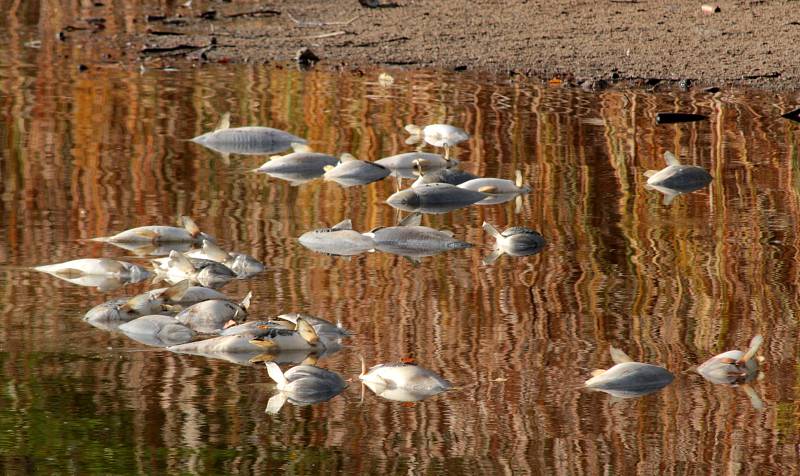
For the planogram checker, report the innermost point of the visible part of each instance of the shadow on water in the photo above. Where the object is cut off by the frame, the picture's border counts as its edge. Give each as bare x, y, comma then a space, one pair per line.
86, 154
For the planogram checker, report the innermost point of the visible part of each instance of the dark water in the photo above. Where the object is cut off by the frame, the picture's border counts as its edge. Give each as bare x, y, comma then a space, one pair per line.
86, 154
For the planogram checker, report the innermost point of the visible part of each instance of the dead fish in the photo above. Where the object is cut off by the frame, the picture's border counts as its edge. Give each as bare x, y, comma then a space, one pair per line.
251, 140
402, 382
733, 367
451, 175
434, 198
514, 241
127, 309
157, 330
298, 167
303, 337
254, 328
629, 379
213, 316
499, 190
404, 165
102, 273
675, 117
190, 233
351, 171
438, 135
414, 241
243, 265
303, 385
238, 350
320, 325
339, 239
676, 179
204, 272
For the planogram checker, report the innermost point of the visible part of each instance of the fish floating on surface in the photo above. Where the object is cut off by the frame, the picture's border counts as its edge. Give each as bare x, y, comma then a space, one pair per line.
403, 382
414, 241
103, 273
351, 171
676, 179
159, 234
299, 167
339, 240
434, 198
514, 241
736, 368
249, 140
303, 385
629, 379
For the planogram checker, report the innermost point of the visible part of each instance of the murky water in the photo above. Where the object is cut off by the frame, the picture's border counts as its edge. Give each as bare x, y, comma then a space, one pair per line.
88, 154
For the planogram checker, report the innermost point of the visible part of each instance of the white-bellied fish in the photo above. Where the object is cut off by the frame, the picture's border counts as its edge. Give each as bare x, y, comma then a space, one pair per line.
214, 315
339, 239
159, 234
126, 309
351, 171
249, 140
299, 167
238, 349
737, 369
514, 241
403, 382
676, 179
303, 385
629, 379
320, 325
103, 273
303, 337
451, 175
414, 241
204, 272
242, 264
157, 330
437, 135
499, 190
408, 164
434, 198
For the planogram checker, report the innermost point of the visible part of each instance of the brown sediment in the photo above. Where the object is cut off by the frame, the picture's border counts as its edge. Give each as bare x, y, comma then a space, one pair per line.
750, 43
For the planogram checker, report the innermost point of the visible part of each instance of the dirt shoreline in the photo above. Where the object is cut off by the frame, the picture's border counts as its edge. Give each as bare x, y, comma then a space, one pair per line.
751, 43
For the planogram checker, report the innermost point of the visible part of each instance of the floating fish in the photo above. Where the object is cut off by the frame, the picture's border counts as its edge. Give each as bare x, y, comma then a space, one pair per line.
303, 337
339, 239
251, 140
437, 135
298, 167
244, 266
414, 241
499, 190
303, 385
629, 379
451, 175
204, 272
103, 273
514, 241
320, 325
403, 382
127, 309
158, 234
157, 330
237, 349
676, 179
407, 165
675, 117
214, 315
736, 368
351, 171
434, 198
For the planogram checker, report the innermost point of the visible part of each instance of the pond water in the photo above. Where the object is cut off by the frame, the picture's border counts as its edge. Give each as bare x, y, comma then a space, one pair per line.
86, 154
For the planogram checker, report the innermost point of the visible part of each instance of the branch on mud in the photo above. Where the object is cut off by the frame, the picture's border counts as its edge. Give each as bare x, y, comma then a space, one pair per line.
320, 23
255, 13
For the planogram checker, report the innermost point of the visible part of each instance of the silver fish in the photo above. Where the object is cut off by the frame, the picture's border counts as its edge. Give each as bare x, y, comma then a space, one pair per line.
298, 167
204, 272
434, 198
514, 241
214, 315
406, 165
339, 239
403, 382
303, 385
251, 140
676, 179
158, 234
157, 330
414, 241
103, 273
737, 369
126, 309
351, 171
629, 379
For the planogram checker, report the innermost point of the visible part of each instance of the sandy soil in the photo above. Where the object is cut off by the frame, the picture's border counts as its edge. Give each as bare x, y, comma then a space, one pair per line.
746, 42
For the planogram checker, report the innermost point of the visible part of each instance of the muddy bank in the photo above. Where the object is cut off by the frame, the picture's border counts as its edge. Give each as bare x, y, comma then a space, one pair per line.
745, 42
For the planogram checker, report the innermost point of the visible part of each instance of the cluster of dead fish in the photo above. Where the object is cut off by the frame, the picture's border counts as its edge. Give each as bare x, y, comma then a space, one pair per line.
629, 379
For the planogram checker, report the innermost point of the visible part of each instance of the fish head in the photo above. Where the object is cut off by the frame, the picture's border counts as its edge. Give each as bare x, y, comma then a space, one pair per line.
405, 199
109, 312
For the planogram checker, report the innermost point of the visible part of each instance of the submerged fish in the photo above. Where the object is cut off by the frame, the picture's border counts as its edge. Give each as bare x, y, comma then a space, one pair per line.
676, 179
251, 140
298, 167
157, 330
351, 171
514, 241
340, 239
403, 382
214, 315
103, 273
736, 368
414, 241
629, 379
158, 234
434, 198
303, 385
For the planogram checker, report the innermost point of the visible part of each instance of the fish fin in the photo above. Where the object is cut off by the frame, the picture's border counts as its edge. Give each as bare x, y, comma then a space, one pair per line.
274, 157
488, 189
755, 400
363, 364
448, 233
298, 147
413, 129
755, 343
518, 204
414, 261
418, 166
346, 157
345, 224
488, 228
311, 359
149, 234
176, 292
267, 344
760, 359
518, 181
190, 226
307, 331
492, 257
598, 372
276, 402
224, 122
177, 259
69, 273
618, 356
276, 374
668, 197
226, 158
246, 301
328, 168
133, 302
159, 277
671, 159
176, 308
650, 173
415, 219
214, 252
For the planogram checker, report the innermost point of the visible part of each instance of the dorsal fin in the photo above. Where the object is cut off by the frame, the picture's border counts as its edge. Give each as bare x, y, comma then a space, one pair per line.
246, 301
346, 157
214, 252
448, 233
413, 129
618, 356
307, 331
276, 374
176, 292
518, 181
598, 372
190, 226
755, 343
650, 173
345, 224
298, 147
224, 122
181, 262
415, 219
490, 229
671, 159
